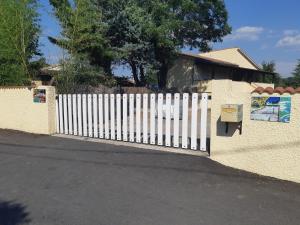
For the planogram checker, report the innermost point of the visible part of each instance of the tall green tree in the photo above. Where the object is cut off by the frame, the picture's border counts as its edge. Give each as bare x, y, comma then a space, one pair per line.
271, 68
296, 75
19, 33
183, 23
88, 56
127, 33
82, 31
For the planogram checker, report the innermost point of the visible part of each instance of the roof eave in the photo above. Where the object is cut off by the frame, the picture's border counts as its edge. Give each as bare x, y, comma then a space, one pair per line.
249, 59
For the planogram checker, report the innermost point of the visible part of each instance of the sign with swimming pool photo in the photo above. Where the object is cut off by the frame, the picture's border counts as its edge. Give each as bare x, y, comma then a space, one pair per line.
39, 96
273, 109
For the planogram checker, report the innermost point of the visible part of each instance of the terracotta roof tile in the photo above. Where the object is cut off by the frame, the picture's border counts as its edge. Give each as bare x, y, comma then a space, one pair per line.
259, 90
278, 90
297, 90
290, 90
269, 90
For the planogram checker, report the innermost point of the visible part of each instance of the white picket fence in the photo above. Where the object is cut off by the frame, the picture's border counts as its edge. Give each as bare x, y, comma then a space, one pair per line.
158, 119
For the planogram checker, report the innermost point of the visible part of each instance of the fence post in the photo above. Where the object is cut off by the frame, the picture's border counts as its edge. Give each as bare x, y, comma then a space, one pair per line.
119, 126
69, 97
185, 120
100, 108
131, 117
152, 118
74, 112
203, 122
176, 120
112, 117
194, 122
61, 119
90, 117
84, 115
160, 119
168, 119
57, 115
106, 116
125, 118
138, 118
95, 115
79, 113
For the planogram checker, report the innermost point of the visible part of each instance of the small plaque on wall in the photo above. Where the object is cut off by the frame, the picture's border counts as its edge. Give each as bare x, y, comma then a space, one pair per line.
39, 95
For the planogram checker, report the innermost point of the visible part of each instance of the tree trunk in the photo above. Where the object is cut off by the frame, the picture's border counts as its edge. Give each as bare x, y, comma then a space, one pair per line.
107, 67
142, 76
162, 75
162, 55
135, 73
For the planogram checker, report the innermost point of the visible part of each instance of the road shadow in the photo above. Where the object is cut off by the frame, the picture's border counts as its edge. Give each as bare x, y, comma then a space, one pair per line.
12, 213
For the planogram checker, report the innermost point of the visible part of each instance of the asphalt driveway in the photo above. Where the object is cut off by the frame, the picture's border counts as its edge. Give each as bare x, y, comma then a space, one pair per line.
49, 181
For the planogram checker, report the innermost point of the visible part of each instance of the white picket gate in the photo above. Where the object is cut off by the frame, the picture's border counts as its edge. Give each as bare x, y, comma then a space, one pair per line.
159, 119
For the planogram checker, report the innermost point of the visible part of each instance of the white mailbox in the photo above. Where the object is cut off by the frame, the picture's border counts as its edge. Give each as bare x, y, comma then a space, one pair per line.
232, 113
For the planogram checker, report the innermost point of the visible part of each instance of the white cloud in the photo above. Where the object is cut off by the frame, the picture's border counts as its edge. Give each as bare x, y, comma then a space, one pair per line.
246, 33
289, 41
290, 32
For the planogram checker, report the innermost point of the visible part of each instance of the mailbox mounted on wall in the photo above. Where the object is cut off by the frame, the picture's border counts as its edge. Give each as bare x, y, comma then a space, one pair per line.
232, 113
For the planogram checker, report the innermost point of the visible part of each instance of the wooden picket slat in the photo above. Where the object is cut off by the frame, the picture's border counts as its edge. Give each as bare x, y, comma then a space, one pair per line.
106, 116
125, 118
84, 115
160, 119
152, 118
194, 124
95, 115
176, 120
61, 118
74, 112
66, 121
119, 126
203, 121
90, 117
100, 112
138, 118
185, 120
57, 115
131, 117
70, 118
168, 119
145, 118
112, 117
79, 113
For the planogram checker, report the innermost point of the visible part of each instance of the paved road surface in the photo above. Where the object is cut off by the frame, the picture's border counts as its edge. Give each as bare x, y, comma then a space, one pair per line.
49, 181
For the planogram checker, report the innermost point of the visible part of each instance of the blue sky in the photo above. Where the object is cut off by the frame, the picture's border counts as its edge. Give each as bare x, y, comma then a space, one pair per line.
264, 29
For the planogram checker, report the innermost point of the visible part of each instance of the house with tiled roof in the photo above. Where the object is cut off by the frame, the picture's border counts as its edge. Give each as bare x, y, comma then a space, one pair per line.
196, 71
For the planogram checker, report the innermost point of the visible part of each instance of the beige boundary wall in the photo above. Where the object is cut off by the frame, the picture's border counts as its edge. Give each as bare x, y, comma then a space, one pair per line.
19, 112
266, 148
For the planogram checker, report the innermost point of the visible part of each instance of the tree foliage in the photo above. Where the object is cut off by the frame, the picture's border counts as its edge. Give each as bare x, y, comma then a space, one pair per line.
294, 80
296, 74
82, 30
183, 23
144, 34
82, 38
77, 72
271, 67
128, 35
19, 33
